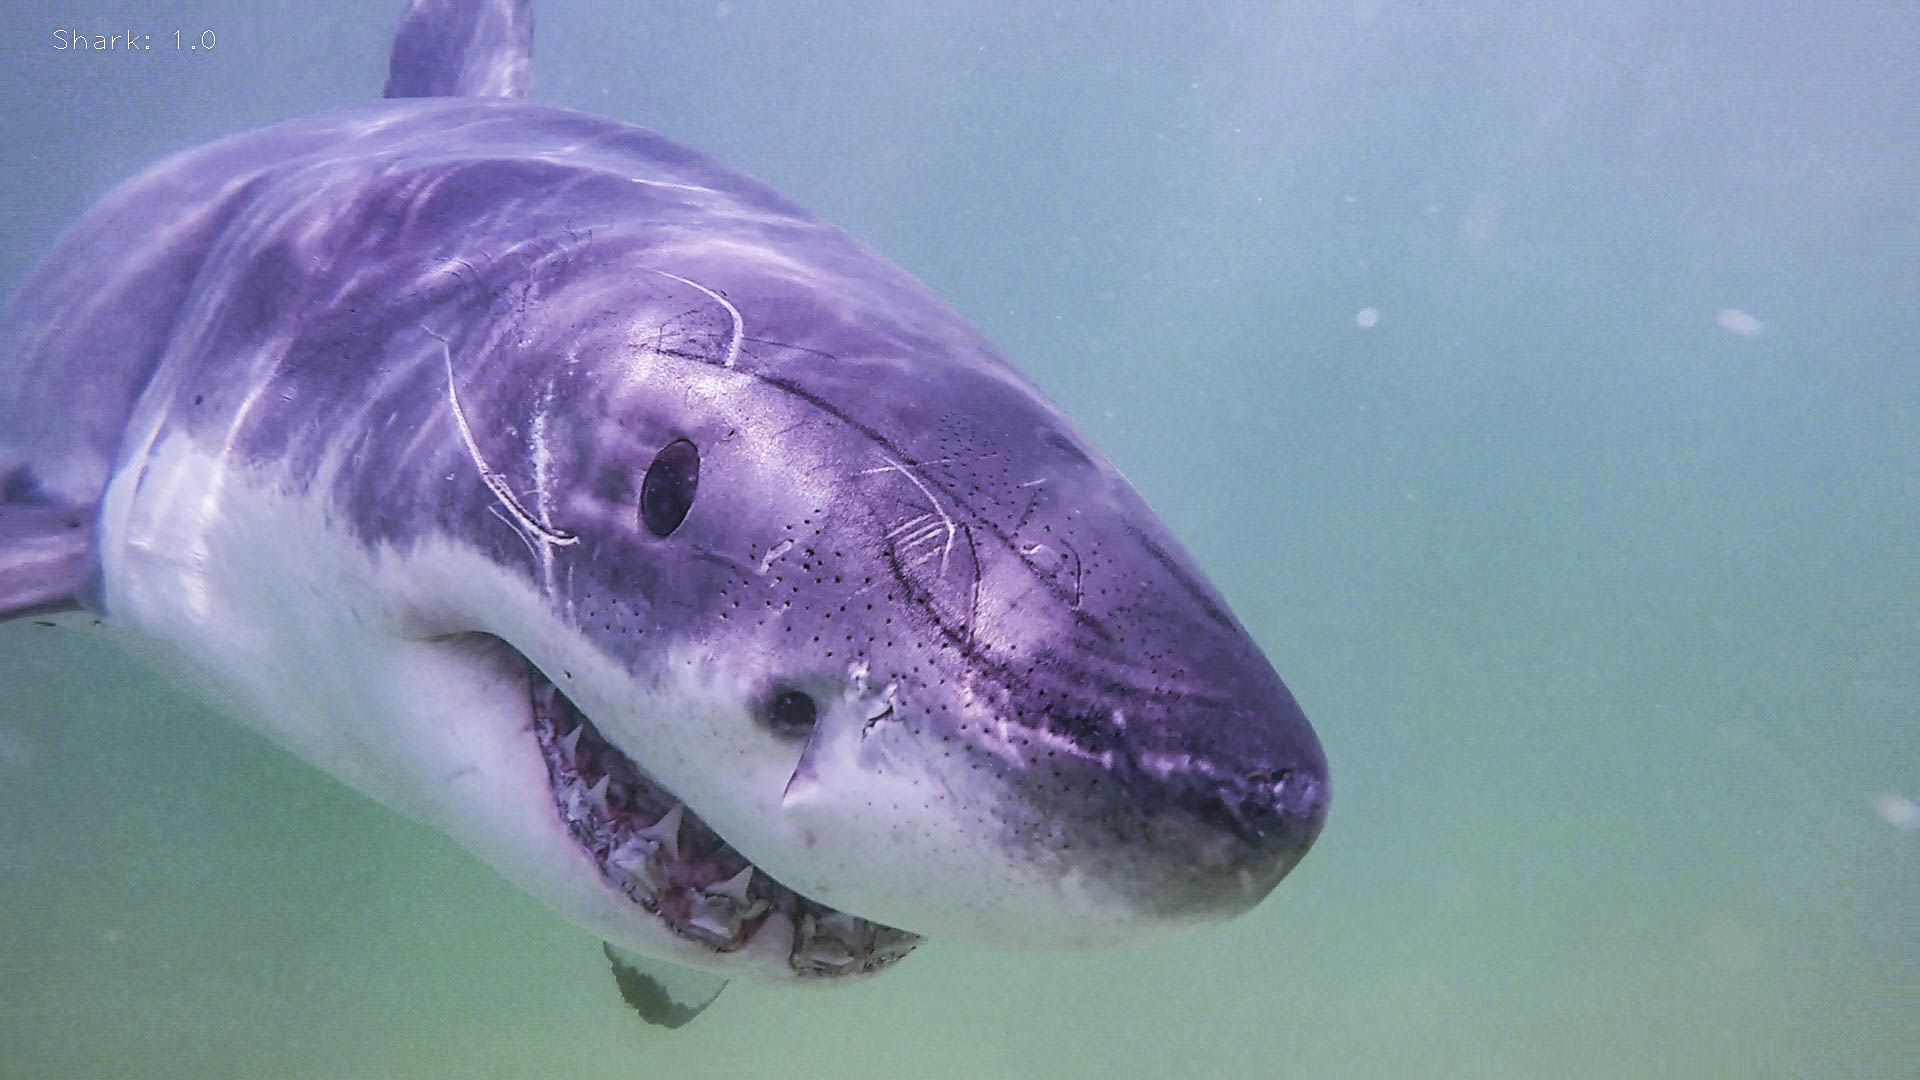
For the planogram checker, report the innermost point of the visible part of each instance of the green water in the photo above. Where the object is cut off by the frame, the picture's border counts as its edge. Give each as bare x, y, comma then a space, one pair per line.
1606, 604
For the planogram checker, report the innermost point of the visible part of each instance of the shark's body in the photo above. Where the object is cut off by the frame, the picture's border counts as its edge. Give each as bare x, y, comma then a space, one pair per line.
687, 561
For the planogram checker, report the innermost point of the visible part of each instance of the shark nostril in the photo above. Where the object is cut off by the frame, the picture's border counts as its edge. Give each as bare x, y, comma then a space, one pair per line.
1265, 807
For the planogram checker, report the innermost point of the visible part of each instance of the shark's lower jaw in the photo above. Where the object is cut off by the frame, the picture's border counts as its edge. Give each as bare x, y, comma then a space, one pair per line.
649, 846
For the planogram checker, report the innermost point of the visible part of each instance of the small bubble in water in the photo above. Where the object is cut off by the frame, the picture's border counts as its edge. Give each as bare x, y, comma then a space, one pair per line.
1367, 319
1898, 811
1735, 321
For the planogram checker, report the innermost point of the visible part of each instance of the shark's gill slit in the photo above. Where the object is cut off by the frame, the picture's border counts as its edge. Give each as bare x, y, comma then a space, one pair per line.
650, 846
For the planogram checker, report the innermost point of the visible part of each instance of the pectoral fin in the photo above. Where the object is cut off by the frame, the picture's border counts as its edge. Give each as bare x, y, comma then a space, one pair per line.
662, 993
46, 557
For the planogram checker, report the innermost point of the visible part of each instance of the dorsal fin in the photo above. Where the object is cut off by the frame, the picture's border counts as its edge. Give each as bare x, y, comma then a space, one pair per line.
462, 48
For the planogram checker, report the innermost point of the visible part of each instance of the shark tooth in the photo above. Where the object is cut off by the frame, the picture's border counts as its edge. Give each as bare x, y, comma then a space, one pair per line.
734, 888
666, 832
823, 956
570, 745
597, 796
715, 918
638, 862
817, 951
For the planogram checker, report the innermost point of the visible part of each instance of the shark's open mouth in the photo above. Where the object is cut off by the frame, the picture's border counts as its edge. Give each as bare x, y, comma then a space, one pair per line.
650, 846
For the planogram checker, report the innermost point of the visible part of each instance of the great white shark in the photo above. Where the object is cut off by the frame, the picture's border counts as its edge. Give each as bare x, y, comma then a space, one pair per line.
691, 564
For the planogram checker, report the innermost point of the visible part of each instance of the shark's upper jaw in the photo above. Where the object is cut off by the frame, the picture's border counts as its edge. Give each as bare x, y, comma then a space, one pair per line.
649, 846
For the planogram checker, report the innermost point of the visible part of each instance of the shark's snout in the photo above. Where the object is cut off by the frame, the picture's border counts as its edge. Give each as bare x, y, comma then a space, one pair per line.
1157, 724
1192, 807
1270, 810
1251, 826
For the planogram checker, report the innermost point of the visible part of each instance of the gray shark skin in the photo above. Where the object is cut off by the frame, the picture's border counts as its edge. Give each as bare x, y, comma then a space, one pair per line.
684, 559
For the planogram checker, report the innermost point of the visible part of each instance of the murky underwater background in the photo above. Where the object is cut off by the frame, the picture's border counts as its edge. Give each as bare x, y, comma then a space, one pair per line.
1541, 383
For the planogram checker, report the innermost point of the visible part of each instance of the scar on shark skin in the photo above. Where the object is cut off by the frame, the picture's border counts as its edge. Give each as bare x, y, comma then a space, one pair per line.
943, 532
733, 341
494, 481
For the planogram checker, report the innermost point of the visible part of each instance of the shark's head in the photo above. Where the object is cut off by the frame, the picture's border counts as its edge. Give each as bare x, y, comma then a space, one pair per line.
889, 629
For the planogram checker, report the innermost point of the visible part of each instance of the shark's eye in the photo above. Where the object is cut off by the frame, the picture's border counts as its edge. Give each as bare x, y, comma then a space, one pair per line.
667, 492
791, 712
